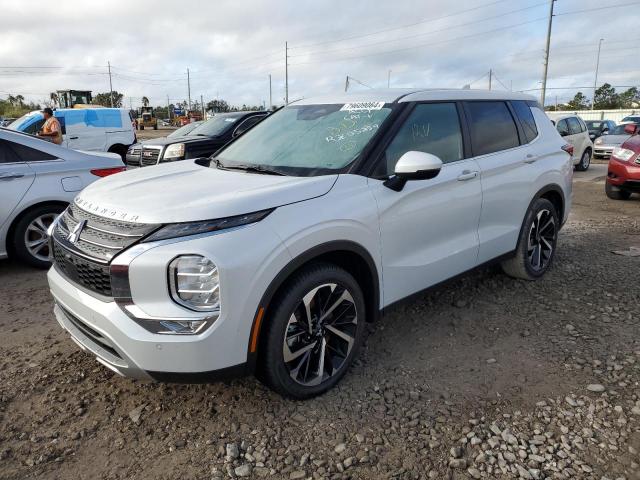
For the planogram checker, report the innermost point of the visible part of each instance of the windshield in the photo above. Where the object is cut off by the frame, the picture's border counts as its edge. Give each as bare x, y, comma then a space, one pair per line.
631, 119
184, 130
24, 121
619, 130
216, 126
308, 140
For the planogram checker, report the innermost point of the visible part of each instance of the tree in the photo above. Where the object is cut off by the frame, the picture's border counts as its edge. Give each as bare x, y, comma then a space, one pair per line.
579, 102
218, 106
629, 98
145, 101
12, 100
104, 99
20, 100
606, 98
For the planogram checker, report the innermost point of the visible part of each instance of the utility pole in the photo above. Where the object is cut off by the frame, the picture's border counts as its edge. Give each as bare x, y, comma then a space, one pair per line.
189, 88
110, 84
546, 56
168, 110
490, 77
346, 84
286, 73
270, 97
389, 79
556, 103
595, 81
202, 105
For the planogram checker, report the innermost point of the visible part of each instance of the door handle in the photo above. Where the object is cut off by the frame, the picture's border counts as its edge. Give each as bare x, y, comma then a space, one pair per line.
530, 158
467, 175
10, 175
73, 138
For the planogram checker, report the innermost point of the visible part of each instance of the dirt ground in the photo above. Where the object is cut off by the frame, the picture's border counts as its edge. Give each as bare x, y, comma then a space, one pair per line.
148, 133
485, 377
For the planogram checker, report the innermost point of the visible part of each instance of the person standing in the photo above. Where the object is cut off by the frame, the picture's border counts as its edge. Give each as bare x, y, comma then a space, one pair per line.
51, 130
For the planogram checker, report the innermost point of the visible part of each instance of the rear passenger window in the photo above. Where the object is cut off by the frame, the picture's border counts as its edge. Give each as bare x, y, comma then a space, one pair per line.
574, 125
523, 111
431, 128
492, 127
28, 154
6, 154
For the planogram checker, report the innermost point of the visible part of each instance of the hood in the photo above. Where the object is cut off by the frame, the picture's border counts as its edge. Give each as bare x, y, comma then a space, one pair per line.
185, 191
613, 139
185, 139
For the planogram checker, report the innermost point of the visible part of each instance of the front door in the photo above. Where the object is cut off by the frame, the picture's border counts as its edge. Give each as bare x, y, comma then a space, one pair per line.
15, 179
429, 230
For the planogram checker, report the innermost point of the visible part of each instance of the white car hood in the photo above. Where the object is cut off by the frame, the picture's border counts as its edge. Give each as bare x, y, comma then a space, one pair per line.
185, 191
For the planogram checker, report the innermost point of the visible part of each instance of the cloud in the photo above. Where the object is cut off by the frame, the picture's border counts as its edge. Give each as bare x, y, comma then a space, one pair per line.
231, 47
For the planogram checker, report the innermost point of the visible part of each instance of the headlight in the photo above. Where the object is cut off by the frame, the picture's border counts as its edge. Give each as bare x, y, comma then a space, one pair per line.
175, 230
194, 283
174, 151
623, 154
598, 141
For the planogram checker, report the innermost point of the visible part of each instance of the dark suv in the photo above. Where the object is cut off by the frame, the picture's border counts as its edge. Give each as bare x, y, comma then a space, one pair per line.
202, 141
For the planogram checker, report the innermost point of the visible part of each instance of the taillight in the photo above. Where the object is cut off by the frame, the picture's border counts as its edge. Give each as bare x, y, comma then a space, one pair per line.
105, 172
568, 148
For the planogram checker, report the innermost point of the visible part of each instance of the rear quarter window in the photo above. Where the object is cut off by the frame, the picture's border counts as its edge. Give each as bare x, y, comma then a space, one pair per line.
574, 126
528, 123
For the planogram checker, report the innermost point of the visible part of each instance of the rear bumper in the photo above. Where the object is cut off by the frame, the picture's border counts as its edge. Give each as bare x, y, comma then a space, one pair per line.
624, 174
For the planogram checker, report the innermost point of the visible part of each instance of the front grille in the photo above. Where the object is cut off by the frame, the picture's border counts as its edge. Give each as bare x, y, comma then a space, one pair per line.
83, 252
133, 157
90, 275
149, 156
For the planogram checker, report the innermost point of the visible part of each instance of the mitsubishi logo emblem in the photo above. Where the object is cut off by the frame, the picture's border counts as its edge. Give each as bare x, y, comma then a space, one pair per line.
75, 233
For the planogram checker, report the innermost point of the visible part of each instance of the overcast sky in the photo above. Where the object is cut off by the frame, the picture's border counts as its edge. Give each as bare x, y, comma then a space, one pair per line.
231, 47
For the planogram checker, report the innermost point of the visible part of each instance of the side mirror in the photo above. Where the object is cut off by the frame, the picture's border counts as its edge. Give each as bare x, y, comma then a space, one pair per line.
631, 129
414, 166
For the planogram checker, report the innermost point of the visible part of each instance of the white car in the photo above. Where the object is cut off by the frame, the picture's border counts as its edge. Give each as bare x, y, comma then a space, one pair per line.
573, 129
94, 129
271, 256
38, 179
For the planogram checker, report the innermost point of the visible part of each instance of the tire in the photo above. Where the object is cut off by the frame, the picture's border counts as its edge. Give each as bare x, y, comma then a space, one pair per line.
155, 127
141, 127
585, 161
536, 244
616, 193
32, 228
288, 331
120, 150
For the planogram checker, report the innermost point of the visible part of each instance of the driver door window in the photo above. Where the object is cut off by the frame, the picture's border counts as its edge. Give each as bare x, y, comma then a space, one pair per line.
432, 128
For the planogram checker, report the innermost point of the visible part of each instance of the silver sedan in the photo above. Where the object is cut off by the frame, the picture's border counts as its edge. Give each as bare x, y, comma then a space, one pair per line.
603, 146
37, 181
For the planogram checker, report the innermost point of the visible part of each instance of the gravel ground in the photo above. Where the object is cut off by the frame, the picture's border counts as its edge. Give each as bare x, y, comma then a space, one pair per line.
485, 377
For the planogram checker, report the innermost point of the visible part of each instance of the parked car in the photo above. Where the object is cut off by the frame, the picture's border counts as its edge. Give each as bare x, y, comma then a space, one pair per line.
573, 129
597, 128
623, 176
184, 130
604, 145
202, 141
5, 122
631, 119
93, 129
269, 256
37, 181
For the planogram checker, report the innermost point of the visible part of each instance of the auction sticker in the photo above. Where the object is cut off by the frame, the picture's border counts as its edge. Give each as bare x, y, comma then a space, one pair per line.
362, 106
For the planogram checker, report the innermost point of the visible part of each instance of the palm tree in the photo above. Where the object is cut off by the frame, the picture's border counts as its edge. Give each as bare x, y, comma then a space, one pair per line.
12, 100
54, 98
145, 101
19, 99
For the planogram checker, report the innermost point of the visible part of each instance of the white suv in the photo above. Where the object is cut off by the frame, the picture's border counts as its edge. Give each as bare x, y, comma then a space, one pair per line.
573, 129
272, 255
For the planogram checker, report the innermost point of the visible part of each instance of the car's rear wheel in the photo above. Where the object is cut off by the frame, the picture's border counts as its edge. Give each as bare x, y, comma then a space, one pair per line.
585, 161
537, 243
616, 193
314, 331
30, 238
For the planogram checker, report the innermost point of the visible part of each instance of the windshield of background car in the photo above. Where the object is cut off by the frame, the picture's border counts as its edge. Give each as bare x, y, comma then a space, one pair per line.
24, 121
619, 130
184, 130
308, 140
216, 126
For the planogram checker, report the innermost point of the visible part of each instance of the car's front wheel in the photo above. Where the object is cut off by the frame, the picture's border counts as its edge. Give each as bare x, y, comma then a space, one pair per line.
537, 243
314, 331
585, 161
30, 239
616, 193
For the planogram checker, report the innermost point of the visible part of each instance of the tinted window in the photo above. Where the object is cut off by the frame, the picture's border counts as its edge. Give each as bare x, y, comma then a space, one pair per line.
248, 123
563, 127
574, 125
523, 111
6, 154
28, 154
492, 127
432, 128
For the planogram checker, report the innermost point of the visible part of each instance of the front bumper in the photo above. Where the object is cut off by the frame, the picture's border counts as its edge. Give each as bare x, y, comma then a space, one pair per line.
624, 174
604, 151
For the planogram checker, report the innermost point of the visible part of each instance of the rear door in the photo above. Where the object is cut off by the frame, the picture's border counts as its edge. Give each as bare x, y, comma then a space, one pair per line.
429, 229
16, 176
506, 172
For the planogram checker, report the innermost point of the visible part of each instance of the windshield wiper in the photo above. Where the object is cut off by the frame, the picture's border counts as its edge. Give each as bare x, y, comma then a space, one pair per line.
249, 168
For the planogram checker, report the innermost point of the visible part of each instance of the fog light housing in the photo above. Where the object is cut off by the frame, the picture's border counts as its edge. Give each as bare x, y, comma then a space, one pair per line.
194, 283
182, 327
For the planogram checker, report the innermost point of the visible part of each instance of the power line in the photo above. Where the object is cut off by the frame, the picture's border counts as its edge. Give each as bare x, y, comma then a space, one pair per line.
446, 29
597, 8
400, 27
